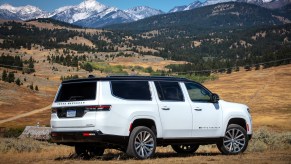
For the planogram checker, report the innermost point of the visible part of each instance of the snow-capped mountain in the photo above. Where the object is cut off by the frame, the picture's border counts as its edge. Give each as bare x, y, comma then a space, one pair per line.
84, 10
263, 3
6, 15
197, 4
22, 12
271, 4
142, 12
177, 8
109, 16
194, 5
191, 6
88, 13
212, 2
91, 13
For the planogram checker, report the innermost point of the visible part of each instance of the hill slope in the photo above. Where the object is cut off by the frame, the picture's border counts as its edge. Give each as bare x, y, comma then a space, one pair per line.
267, 92
220, 16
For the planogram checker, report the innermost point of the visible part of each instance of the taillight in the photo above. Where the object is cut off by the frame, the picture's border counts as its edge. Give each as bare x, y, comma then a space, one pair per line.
88, 134
98, 108
54, 110
104, 107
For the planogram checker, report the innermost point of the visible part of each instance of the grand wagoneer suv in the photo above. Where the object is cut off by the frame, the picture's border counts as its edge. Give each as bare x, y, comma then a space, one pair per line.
136, 114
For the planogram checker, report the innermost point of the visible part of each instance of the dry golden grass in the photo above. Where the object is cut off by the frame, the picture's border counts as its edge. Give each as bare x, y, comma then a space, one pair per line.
51, 26
267, 146
205, 154
157, 63
17, 100
80, 40
267, 92
55, 156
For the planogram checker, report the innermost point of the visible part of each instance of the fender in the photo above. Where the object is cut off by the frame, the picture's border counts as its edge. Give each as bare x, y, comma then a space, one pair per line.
142, 116
226, 121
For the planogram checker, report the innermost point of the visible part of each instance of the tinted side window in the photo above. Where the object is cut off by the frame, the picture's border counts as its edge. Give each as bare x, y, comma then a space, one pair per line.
77, 92
169, 91
131, 90
197, 92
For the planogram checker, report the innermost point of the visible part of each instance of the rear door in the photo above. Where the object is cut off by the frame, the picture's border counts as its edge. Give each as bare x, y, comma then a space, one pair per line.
175, 112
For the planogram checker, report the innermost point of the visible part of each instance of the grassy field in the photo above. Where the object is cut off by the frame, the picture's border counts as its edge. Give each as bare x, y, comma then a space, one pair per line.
164, 155
266, 91
266, 147
16, 100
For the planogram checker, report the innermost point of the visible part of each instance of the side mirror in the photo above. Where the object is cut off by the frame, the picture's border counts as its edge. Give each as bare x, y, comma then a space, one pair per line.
214, 98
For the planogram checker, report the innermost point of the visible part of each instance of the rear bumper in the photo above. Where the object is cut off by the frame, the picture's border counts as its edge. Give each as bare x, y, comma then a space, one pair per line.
72, 138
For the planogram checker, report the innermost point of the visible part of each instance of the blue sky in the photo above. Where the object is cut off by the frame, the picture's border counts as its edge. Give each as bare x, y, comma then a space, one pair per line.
50, 5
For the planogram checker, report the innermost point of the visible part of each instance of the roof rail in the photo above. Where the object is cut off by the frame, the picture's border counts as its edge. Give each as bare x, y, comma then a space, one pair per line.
150, 77
142, 76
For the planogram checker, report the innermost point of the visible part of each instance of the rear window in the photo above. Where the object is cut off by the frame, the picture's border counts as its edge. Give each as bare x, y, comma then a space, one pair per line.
77, 92
131, 90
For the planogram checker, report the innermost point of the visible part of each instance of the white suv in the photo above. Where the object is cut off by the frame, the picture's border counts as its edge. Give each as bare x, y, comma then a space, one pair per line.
136, 114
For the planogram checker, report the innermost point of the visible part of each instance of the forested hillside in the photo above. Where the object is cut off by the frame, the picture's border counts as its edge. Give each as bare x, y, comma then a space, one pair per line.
214, 37
218, 36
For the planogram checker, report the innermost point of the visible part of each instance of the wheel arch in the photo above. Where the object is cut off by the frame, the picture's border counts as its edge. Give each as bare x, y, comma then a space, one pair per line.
238, 121
147, 122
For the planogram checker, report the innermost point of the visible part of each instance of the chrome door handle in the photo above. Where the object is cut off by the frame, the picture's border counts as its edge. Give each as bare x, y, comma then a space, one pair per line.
165, 108
198, 109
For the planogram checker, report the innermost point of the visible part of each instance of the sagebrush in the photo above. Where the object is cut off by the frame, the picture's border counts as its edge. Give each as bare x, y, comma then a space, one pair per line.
22, 145
266, 139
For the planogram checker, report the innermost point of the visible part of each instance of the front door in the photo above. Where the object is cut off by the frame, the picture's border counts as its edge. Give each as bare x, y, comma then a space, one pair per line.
207, 116
175, 112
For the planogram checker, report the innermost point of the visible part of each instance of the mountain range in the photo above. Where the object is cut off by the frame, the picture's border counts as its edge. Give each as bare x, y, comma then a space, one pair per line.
91, 13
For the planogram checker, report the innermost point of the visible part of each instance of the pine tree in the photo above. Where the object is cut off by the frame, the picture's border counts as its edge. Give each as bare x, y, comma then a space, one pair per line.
88, 67
4, 75
31, 67
18, 82
36, 88
31, 86
149, 69
229, 70
11, 77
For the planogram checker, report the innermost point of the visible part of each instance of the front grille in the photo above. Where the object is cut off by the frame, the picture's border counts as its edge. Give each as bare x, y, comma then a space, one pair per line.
62, 112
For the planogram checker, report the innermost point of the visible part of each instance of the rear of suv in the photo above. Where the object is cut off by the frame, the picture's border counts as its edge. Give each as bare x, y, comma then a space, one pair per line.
136, 114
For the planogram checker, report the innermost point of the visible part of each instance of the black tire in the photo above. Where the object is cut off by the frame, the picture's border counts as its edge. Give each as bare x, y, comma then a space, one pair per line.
185, 149
89, 151
142, 143
235, 140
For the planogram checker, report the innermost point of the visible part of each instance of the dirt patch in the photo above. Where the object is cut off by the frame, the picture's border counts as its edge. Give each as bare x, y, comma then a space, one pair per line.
196, 43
